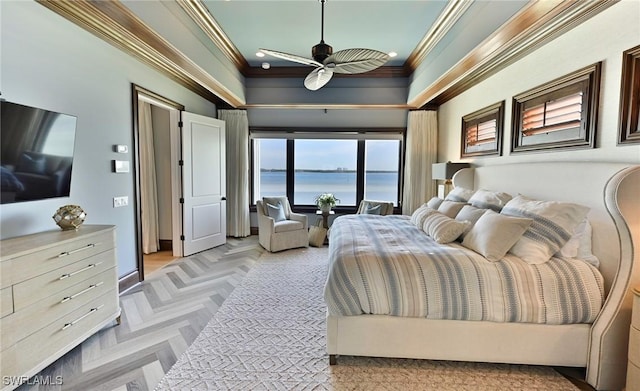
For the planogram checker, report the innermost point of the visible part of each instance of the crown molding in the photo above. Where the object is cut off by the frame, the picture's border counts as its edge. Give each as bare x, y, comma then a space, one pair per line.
200, 14
324, 106
447, 18
537, 24
116, 24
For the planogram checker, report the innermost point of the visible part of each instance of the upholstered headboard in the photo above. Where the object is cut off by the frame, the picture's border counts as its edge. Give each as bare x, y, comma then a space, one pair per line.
612, 191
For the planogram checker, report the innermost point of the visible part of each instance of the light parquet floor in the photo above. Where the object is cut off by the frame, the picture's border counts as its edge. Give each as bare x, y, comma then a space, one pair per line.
160, 318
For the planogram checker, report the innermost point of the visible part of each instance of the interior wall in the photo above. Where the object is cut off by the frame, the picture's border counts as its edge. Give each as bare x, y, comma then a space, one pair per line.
594, 40
51, 63
162, 149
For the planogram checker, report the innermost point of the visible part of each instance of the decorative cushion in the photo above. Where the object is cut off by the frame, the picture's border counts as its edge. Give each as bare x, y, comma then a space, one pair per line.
553, 224
471, 214
276, 212
486, 199
372, 210
443, 229
274, 201
450, 208
460, 194
417, 218
434, 203
494, 234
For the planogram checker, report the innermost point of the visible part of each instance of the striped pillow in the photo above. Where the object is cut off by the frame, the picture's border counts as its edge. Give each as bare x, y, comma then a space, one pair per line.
417, 218
553, 224
443, 229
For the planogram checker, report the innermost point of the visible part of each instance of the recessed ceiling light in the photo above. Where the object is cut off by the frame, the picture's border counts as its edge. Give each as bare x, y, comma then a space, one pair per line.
392, 54
266, 65
260, 54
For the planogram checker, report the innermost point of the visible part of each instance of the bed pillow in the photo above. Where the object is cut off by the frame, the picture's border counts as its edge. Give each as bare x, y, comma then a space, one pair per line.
372, 210
579, 246
443, 229
434, 203
276, 212
494, 234
486, 199
417, 218
553, 224
459, 194
471, 214
450, 208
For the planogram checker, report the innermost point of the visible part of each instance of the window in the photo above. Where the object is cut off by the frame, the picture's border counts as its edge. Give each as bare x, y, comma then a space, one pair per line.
270, 177
560, 114
382, 168
351, 164
325, 166
482, 131
630, 97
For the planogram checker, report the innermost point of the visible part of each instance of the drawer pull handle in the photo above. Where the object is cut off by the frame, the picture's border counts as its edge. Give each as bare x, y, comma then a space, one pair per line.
92, 286
89, 266
88, 246
91, 311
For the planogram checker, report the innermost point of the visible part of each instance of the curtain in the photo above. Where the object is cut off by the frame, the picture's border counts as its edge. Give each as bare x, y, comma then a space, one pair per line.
148, 185
237, 150
421, 153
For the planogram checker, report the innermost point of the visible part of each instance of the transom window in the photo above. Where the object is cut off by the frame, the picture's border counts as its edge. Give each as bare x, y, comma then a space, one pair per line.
482, 131
353, 165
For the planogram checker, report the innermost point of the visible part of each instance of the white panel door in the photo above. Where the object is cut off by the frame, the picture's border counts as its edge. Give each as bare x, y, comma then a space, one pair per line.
203, 183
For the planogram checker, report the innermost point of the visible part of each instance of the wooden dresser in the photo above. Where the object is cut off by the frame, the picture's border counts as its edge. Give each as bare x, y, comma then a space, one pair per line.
57, 288
633, 368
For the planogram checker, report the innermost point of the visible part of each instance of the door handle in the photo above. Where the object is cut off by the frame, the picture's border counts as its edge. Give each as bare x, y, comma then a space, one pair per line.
223, 198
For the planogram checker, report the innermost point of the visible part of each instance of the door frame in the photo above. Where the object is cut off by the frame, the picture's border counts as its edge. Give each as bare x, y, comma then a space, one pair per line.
139, 92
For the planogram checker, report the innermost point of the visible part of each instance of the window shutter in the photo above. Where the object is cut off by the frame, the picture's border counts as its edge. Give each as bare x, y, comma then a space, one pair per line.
481, 133
554, 115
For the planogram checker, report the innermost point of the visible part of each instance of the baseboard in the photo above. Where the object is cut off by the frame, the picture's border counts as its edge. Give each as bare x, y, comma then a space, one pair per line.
165, 245
254, 230
128, 281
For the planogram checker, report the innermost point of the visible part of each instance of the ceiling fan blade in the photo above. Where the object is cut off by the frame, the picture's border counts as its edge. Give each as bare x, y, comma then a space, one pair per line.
352, 61
291, 57
318, 78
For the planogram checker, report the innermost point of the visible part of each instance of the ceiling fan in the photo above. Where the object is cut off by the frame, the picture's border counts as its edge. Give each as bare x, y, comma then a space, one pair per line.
348, 61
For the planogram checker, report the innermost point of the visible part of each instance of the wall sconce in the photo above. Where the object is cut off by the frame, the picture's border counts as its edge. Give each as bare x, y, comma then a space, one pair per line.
445, 171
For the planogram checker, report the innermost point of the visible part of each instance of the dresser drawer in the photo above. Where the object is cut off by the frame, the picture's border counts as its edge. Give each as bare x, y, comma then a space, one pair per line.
22, 323
6, 301
64, 333
38, 288
55, 256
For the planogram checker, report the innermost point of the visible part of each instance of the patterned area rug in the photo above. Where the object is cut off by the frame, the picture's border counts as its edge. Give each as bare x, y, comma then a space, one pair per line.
270, 335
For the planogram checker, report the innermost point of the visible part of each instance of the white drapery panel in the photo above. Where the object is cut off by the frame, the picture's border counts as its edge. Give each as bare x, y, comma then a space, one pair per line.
237, 130
148, 183
421, 153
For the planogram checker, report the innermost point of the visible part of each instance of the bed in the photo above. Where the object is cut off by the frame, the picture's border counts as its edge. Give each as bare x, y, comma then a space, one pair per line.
585, 326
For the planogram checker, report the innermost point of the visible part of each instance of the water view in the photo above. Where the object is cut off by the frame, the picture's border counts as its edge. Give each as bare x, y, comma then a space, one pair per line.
379, 185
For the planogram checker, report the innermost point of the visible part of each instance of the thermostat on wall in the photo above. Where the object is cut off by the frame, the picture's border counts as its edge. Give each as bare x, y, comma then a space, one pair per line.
120, 166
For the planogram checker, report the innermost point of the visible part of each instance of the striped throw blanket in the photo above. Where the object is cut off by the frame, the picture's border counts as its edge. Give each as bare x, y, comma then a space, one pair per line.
385, 265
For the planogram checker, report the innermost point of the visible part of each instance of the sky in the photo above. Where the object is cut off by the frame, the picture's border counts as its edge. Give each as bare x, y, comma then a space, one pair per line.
329, 154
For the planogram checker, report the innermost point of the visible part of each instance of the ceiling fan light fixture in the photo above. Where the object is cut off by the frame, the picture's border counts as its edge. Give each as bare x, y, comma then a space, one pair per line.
260, 54
266, 65
392, 54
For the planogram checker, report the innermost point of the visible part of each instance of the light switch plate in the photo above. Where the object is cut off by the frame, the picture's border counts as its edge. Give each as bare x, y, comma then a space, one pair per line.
120, 166
121, 148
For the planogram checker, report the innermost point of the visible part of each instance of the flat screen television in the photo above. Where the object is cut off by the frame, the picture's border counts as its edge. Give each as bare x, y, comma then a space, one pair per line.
36, 153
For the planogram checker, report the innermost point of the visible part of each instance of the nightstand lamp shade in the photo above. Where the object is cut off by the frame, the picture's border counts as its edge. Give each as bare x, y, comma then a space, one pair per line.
445, 171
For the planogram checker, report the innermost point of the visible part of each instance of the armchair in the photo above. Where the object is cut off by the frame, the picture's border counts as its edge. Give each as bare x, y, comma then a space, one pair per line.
290, 232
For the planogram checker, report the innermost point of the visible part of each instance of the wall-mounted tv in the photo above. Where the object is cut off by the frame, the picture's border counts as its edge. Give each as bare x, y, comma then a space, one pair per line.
36, 153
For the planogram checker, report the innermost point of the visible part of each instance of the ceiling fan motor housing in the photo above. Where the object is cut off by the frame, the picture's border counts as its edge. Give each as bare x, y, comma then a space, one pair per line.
321, 51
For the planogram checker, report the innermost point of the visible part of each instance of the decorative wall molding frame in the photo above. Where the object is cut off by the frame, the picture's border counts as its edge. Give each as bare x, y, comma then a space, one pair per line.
629, 123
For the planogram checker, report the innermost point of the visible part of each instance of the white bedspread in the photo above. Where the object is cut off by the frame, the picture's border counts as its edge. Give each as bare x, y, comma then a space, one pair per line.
385, 265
